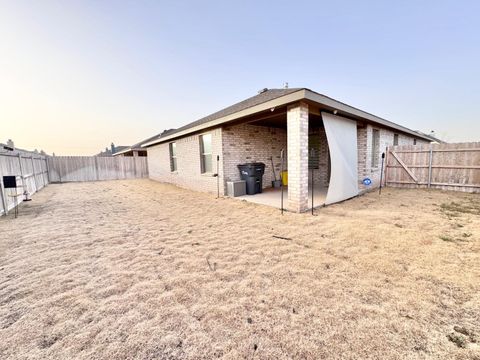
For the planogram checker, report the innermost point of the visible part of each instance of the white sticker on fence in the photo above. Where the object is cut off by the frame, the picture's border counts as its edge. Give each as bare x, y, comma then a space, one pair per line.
342, 143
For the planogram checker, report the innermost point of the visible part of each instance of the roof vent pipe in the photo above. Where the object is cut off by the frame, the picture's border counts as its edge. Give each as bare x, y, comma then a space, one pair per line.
10, 144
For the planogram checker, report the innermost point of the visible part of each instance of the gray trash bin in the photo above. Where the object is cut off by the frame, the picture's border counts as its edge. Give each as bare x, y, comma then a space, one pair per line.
252, 173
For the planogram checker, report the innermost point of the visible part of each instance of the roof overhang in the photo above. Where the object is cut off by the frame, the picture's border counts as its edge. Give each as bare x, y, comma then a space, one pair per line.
302, 94
352, 111
128, 150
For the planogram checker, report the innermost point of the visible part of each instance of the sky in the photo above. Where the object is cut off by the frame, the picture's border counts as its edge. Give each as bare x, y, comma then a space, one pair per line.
78, 75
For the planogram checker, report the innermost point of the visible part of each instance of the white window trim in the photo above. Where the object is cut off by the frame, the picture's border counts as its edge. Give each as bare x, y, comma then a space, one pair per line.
374, 165
171, 157
202, 154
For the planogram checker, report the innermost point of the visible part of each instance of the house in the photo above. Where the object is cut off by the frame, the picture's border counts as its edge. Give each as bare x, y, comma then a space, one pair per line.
137, 149
332, 151
134, 150
111, 152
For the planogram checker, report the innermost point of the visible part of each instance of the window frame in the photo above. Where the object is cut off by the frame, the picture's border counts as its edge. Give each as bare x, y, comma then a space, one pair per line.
375, 143
204, 155
395, 139
173, 156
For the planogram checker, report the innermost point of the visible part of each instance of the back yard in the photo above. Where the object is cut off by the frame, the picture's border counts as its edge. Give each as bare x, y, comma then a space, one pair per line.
139, 269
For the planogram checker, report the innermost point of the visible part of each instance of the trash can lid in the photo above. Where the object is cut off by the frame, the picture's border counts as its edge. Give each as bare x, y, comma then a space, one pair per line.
252, 164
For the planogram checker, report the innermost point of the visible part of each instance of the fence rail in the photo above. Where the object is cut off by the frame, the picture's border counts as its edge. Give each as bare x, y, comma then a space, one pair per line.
93, 168
35, 171
442, 166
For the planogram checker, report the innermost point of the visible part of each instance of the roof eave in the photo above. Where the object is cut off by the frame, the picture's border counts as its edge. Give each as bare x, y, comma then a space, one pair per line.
137, 148
282, 100
302, 94
325, 100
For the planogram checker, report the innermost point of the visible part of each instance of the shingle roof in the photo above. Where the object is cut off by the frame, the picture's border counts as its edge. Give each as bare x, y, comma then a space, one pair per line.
264, 96
108, 151
268, 95
139, 144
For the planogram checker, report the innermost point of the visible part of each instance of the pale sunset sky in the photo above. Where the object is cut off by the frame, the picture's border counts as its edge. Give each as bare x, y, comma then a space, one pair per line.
77, 75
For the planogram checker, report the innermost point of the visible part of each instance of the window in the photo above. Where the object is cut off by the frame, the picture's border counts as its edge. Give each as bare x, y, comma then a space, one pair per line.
313, 150
395, 139
206, 153
375, 147
173, 156
414, 141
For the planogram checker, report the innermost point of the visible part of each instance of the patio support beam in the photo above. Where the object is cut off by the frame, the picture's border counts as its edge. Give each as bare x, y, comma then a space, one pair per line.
297, 149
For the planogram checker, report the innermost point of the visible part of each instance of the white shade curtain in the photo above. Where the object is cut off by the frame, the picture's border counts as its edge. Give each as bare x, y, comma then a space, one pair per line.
342, 143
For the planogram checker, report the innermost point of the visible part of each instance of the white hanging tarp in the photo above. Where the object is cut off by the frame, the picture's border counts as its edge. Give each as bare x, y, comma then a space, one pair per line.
342, 143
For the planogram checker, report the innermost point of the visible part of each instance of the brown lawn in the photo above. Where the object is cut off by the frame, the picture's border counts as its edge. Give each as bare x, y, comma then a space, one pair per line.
142, 270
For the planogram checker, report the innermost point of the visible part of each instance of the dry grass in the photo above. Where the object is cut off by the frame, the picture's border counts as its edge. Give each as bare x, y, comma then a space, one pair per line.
138, 269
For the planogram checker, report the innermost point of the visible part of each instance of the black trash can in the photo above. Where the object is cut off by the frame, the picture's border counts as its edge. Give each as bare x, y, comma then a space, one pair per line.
252, 173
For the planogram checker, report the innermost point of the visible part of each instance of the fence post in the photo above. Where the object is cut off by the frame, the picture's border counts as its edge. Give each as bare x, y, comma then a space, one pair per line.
96, 168
45, 182
4, 200
21, 171
59, 170
34, 174
430, 166
387, 150
48, 169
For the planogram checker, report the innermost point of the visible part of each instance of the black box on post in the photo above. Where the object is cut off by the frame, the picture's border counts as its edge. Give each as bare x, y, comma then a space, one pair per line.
10, 182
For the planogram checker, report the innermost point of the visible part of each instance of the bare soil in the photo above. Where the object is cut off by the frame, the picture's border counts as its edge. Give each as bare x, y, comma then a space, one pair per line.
143, 270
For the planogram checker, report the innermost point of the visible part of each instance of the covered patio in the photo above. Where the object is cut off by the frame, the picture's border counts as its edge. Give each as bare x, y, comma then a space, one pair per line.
306, 135
273, 197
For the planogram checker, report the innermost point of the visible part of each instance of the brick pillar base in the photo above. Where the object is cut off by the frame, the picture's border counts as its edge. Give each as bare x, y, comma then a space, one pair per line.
297, 149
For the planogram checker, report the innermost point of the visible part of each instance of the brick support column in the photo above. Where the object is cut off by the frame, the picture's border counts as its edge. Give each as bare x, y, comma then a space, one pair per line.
297, 149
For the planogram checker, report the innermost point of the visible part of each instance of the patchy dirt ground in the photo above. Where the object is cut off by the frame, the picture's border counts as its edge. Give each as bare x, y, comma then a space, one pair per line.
138, 269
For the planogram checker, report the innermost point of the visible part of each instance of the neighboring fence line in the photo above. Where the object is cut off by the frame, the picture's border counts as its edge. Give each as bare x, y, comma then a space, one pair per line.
93, 168
31, 172
441, 166
35, 171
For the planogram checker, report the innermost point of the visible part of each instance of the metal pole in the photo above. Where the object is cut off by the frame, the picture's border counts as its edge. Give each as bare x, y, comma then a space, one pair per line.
381, 175
16, 204
312, 189
218, 177
281, 180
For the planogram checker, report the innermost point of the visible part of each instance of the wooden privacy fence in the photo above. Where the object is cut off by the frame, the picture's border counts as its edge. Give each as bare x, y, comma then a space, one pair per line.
93, 168
442, 166
31, 172
34, 171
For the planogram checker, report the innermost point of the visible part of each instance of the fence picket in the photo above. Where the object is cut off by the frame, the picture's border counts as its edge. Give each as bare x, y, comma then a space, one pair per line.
442, 166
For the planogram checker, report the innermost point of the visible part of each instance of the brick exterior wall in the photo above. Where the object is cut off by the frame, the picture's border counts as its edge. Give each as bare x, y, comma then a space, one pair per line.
297, 138
188, 174
322, 174
364, 141
249, 143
